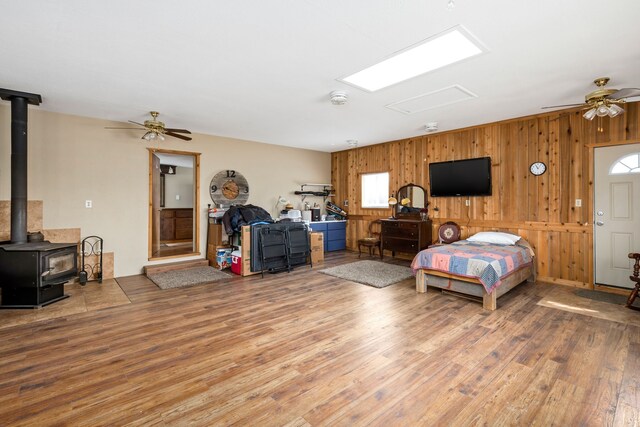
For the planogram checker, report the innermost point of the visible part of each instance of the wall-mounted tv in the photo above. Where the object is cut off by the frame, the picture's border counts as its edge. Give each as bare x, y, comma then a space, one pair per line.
469, 177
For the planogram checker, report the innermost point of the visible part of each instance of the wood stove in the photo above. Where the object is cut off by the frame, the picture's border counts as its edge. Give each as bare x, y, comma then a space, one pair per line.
33, 274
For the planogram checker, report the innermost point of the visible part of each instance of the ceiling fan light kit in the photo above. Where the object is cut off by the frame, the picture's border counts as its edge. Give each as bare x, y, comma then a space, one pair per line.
153, 135
602, 110
590, 114
615, 110
604, 102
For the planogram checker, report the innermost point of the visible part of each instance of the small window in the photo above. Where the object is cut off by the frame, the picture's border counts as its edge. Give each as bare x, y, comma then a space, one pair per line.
627, 164
375, 190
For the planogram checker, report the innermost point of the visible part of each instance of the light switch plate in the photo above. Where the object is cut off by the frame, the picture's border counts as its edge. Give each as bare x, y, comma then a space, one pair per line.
88, 204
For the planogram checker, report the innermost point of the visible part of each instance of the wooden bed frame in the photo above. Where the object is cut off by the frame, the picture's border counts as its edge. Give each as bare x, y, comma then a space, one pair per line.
472, 286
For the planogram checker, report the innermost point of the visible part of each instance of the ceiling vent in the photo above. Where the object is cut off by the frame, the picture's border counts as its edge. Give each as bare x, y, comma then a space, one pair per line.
431, 127
338, 97
353, 143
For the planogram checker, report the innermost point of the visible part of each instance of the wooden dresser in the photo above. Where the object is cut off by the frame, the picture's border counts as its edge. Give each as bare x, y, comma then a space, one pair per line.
405, 235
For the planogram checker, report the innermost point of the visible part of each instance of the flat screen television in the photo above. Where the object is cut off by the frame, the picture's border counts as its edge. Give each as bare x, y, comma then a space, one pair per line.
469, 177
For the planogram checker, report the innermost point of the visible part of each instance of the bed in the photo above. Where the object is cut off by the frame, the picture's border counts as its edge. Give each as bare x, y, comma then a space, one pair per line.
486, 266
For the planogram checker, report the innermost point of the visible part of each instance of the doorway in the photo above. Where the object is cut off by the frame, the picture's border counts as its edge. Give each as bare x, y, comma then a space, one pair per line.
174, 178
616, 213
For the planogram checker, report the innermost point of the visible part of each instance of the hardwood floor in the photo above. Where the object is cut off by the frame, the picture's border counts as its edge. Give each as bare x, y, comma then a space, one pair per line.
173, 249
305, 348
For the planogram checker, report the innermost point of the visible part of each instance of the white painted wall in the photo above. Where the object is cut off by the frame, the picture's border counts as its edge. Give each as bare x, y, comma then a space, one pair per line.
73, 159
180, 184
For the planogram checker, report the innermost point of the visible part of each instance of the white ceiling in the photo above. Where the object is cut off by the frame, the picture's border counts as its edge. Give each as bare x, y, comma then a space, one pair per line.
263, 70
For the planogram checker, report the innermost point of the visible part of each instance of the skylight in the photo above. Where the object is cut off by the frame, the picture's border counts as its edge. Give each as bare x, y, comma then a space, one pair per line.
436, 52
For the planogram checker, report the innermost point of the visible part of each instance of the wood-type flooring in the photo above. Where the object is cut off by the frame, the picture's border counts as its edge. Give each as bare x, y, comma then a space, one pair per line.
307, 349
173, 249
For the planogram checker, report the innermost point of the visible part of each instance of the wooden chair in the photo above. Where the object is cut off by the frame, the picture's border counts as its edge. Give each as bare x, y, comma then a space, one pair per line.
372, 241
636, 279
448, 232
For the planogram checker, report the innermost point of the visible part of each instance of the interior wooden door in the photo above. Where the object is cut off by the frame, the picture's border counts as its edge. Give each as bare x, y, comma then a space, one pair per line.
155, 206
617, 213
189, 187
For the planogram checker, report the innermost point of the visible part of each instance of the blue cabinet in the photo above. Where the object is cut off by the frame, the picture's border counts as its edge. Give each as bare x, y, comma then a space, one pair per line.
334, 234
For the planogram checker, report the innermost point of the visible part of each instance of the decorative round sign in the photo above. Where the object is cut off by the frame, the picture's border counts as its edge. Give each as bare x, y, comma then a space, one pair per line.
229, 187
449, 232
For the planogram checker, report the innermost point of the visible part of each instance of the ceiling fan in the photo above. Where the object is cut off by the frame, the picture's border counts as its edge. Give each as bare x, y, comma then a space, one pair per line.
156, 129
603, 102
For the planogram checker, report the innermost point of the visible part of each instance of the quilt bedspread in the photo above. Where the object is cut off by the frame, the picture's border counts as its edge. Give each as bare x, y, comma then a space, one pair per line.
489, 263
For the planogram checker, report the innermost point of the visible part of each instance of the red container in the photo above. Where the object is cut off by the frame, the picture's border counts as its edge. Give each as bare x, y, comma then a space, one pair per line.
236, 262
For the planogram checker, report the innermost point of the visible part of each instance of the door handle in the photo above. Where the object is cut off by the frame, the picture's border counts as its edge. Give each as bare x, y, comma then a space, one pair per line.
599, 223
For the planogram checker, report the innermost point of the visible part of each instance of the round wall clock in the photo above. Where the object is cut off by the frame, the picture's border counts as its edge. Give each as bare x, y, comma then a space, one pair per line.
229, 187
537, 168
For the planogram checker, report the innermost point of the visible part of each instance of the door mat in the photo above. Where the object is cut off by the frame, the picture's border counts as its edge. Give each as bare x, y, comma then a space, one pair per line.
373, 273
567, 299
604, 296
187, 277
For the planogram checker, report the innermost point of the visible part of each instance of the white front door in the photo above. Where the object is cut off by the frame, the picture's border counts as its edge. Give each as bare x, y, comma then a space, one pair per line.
616, 213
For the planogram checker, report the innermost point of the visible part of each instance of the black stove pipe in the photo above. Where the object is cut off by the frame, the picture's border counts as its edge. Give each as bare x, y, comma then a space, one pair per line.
19, 110
18, 170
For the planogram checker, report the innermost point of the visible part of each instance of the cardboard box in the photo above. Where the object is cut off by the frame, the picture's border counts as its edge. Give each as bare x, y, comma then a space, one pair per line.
245, 252
317, 258
317, 241
317, 248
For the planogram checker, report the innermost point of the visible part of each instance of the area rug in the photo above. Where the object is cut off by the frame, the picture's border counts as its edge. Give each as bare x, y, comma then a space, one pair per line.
373, 273
187, 277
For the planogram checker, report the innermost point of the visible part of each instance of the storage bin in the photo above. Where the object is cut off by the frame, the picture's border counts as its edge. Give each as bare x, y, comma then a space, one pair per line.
236, 262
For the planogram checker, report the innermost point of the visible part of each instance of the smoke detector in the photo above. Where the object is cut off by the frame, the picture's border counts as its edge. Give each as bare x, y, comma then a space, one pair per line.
338, 97
431, 127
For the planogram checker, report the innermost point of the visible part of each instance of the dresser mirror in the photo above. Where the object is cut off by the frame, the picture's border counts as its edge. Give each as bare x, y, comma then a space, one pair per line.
411, 199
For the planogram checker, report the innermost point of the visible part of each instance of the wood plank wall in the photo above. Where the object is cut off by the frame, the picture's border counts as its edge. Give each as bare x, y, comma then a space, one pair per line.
541, 209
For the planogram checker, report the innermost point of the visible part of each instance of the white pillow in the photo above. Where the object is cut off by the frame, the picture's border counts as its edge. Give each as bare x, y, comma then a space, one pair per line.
494, 237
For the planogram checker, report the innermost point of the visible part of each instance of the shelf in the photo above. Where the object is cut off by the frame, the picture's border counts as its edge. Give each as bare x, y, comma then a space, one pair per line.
324, 193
